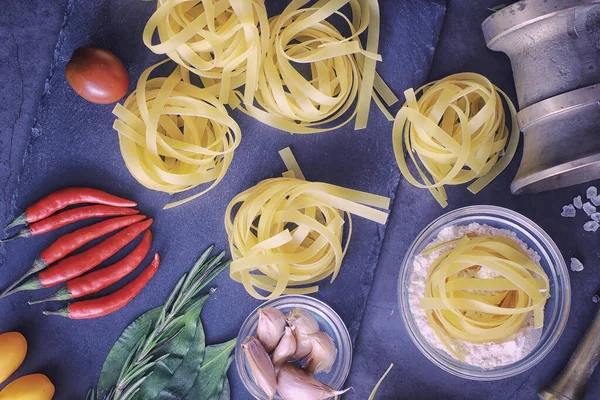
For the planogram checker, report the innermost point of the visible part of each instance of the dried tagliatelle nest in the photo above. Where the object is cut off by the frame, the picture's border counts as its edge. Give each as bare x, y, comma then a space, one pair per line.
285, 234
175, 136
341, 80
455, 133
223, 41
479, 310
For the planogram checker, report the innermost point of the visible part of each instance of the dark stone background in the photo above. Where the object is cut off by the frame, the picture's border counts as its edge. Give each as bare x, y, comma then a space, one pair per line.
70, 142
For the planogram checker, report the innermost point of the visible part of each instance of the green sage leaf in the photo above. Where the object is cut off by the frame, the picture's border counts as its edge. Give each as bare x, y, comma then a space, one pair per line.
184, 377
226, 393
117, 356
210, 382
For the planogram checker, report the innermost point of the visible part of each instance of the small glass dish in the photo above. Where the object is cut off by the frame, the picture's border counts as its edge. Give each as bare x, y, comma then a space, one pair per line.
557, 307
329, 322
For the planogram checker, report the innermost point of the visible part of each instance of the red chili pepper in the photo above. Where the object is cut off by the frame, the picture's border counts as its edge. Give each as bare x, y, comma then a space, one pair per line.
102, 306
71, 242
70, 216
101, 279
74, 266
67, 197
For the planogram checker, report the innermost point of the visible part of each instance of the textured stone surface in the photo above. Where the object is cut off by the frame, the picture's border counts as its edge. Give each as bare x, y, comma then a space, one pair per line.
28, 33
72, 143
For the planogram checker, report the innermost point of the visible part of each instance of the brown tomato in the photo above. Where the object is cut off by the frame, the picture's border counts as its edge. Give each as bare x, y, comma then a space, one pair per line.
97, 75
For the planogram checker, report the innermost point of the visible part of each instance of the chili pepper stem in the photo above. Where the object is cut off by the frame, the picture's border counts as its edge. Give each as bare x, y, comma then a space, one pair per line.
9, 238
31, 284
63, 312
37, 266
62, 294
20, 220
23, 233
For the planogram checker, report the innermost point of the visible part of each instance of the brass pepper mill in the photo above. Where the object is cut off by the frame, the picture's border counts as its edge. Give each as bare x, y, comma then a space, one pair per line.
570, 384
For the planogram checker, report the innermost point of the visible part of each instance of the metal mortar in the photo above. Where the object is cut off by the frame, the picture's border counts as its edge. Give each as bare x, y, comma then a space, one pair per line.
554, 48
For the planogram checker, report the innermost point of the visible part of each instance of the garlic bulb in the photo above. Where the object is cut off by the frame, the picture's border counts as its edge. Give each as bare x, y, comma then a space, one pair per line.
302, 321
322, 354
304, 324
271, 325
285, 349
295, 384
261, 366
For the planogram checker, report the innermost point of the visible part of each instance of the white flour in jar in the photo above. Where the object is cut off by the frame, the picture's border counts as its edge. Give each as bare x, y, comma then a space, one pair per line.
485, 355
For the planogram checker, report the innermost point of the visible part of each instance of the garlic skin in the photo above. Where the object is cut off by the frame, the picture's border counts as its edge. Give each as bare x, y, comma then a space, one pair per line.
295, 384
261, 366
302, 321
304, 324
285, 349
303, 346
271, 326
322, 355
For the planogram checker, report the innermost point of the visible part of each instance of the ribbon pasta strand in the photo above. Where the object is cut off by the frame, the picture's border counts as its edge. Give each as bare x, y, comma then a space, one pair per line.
285, 234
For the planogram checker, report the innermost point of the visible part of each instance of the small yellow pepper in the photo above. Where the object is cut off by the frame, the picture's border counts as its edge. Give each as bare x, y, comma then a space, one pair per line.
13, 348
29, 387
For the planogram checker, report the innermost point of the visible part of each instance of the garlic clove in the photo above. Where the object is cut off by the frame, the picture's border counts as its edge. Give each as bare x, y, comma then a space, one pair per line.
271, 326
285, 349
302, 321
304, 324
303, 346
295, 384
322, 354
261, 366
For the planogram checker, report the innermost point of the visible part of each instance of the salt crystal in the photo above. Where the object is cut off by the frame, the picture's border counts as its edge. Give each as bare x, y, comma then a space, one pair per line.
577, 202
591, 192
596, 216
596, 200
588, 208
576, 265
568, 211
591, 226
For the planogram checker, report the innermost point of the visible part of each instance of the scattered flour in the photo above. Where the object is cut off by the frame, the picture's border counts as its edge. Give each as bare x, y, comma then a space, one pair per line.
484, 355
